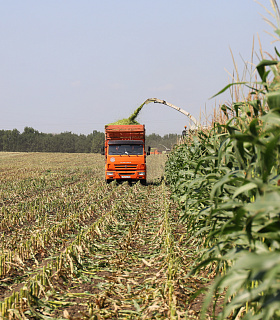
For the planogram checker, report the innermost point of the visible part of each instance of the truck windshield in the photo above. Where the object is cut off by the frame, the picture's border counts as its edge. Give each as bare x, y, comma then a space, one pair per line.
126, 149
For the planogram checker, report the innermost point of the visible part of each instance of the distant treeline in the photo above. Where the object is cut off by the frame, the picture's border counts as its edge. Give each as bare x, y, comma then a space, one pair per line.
31, 140
162, 143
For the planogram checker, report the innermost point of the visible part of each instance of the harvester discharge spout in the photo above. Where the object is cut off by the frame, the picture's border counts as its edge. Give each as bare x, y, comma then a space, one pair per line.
192, 118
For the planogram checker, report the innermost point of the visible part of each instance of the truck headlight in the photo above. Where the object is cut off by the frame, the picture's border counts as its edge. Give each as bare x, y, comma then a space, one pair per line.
110, 173
141, 173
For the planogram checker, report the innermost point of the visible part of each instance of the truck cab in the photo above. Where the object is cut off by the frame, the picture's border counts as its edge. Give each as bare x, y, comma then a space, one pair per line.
125, 153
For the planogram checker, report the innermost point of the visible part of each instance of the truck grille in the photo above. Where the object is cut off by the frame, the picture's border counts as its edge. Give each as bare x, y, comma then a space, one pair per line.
125, 166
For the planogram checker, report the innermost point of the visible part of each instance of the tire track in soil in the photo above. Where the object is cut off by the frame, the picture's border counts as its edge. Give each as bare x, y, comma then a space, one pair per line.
126, 277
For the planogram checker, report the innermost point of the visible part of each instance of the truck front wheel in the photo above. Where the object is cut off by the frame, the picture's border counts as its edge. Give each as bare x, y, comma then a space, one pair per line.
143, 182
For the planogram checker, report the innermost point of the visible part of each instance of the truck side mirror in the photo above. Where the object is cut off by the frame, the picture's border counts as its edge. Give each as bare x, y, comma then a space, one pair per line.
103, 151
149, 151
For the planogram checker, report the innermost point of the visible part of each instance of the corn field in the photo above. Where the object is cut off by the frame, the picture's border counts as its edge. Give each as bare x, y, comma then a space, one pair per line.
227, 183
200, 241
74, 247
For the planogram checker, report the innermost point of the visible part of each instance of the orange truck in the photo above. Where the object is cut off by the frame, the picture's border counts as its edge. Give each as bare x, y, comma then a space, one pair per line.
125, 153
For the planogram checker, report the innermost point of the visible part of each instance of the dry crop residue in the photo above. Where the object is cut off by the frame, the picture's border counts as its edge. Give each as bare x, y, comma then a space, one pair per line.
87, 250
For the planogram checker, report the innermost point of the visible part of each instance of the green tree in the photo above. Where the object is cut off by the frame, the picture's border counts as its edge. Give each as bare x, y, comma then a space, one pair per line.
29, 140
98, 139
10, 140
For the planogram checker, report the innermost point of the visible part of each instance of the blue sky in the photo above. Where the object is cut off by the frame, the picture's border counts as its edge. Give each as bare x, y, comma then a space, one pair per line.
77, 65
